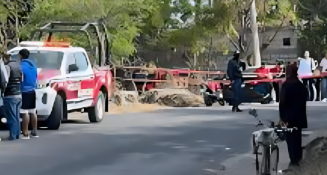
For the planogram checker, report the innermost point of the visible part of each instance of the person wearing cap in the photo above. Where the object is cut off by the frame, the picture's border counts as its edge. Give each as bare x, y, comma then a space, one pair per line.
12, 97
28, 109
235, 76
292, 111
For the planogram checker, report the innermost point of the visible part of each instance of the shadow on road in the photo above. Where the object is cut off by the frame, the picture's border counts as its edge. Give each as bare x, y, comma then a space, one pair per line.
75, 122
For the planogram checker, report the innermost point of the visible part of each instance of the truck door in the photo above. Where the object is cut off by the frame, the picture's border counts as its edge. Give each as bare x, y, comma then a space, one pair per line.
80, 80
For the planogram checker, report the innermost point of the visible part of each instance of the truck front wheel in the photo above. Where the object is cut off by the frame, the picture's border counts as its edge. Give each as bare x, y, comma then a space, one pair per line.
54, 120
96, 113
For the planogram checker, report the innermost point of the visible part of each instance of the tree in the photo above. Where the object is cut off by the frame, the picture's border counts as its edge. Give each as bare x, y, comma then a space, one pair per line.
273, 13
12, 17
122, 18
313, 20
222, 24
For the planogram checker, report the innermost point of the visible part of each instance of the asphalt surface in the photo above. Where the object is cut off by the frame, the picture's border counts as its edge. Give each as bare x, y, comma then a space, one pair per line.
183, 141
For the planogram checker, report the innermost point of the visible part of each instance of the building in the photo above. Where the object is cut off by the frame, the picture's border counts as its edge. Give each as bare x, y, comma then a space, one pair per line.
284, 45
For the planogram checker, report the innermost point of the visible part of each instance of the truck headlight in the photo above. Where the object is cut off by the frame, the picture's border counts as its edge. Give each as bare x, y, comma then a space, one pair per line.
42, 85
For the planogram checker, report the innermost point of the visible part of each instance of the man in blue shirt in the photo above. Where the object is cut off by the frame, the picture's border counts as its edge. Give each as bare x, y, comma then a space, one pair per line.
28, 109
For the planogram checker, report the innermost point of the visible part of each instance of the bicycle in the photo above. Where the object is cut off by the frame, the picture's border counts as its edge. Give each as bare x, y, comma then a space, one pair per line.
268, 139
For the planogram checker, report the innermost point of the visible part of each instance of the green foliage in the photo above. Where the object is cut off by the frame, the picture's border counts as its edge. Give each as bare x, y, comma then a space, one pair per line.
10, 11
152, 22
314, 41
123, 41
122, 18
314, 36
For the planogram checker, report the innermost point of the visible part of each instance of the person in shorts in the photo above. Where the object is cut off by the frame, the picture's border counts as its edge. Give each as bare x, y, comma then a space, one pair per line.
28, 108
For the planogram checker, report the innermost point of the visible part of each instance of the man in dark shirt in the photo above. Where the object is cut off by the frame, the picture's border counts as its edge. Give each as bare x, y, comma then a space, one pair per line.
235, 76
12, 97
292, 110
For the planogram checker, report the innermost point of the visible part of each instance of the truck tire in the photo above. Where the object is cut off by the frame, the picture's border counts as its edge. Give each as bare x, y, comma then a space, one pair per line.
54, 120
96, 113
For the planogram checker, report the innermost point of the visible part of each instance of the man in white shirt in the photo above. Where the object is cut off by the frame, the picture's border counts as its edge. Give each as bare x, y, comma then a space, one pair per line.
323, 64
306, 67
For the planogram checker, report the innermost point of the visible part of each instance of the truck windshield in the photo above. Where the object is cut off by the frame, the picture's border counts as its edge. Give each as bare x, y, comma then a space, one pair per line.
44, 59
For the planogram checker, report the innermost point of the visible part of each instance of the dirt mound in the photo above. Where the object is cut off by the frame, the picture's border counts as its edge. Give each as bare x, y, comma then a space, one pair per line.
314, 159
180, 100
164, 97
176, 98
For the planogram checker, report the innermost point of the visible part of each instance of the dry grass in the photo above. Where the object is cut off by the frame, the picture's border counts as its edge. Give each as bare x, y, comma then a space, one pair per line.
133, 108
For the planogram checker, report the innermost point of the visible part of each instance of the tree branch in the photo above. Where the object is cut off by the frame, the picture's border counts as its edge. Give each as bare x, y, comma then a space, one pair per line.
234, 44
279, 28
305, 8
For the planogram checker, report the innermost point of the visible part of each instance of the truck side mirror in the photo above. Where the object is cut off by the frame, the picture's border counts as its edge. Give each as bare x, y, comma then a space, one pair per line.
72, 68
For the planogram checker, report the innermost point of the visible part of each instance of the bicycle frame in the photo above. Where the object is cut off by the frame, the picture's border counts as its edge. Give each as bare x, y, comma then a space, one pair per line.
266, 166
268, 139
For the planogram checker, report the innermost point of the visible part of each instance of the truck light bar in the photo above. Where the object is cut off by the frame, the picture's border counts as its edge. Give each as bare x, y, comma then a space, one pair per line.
57, 44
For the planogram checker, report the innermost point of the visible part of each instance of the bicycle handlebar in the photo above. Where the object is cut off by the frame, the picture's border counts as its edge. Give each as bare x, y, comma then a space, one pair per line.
284, 129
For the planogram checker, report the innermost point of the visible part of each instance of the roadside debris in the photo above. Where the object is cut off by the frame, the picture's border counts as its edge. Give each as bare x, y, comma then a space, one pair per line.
314, 159
163, 97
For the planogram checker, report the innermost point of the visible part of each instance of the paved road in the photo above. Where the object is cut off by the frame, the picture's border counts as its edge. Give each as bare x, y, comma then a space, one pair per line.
188, 141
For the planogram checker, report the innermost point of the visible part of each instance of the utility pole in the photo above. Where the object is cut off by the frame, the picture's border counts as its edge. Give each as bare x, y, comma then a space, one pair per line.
256, 43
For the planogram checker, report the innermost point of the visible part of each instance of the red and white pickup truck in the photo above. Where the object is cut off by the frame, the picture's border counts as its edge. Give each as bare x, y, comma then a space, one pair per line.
67, 82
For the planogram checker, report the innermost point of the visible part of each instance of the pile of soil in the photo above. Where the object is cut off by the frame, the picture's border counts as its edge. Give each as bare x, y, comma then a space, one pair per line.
180, 100
164, 97
177, 98
314, 159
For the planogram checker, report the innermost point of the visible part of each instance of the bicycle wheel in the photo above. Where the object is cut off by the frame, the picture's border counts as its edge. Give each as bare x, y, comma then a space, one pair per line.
265, 163
274, 159
269, 163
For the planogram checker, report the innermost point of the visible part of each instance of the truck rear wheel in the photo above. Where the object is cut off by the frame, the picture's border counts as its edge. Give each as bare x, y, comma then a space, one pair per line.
54, 120
96, 113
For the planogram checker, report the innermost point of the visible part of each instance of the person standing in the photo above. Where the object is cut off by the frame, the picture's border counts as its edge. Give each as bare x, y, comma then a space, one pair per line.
3, 79
3, 83
28, 110
323, 64
292, 111
12, 97
306, 67
235, 75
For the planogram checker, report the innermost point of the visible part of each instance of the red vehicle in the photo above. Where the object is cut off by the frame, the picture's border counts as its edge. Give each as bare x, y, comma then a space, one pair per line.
260, 85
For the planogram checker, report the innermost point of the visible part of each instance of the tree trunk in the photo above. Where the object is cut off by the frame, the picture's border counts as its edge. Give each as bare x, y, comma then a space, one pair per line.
256, 44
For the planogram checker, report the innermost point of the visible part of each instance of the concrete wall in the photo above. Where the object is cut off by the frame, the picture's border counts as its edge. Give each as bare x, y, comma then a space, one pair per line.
276, 48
